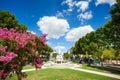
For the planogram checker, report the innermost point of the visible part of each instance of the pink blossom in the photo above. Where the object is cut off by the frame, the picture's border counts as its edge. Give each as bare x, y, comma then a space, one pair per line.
3, 49
17, 48
11, 55
32, 51
15, 67
38, 62
5, 74
1, 72
5, 29
21, 43
12, 30
31, 63
8, 57
4, 59
25, 58
38, 65
43, 38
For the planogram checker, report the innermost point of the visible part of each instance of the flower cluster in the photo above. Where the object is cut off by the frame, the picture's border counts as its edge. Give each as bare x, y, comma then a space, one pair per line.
3, 49
43, 38
38, 62
17, 49
8, 57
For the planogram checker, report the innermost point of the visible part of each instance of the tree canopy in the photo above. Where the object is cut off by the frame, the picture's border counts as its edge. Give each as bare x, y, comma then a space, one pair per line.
66, 55
103, 39
8, 20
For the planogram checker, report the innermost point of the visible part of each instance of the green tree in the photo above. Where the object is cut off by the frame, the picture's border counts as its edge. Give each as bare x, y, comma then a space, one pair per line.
117, 55
7, 19
54, 55
66, 55
102, 41
21, 27
116, 13
109, 54
115, 27
45, 52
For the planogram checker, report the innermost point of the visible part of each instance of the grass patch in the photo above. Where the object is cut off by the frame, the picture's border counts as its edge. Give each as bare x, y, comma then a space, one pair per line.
28, 67
31, 67
62, 74
100, 69
74, 62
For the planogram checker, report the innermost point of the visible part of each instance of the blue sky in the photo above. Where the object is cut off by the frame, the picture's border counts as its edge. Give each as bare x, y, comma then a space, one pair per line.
65, 21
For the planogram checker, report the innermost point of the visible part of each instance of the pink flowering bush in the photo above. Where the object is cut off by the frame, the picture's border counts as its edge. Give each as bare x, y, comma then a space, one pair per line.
17, 49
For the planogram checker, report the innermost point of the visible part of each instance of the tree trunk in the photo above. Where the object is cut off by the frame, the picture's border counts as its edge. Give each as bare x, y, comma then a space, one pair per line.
19, 77
116, 61
101, 62
89, 63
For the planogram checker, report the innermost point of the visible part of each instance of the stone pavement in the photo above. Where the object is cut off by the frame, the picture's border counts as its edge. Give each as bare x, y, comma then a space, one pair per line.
63, 65
113, 67
75, 67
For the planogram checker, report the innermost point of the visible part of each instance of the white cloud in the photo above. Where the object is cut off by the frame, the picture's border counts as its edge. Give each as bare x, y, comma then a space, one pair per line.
53, 26
76, 33
60, 49
107, 17
59, 14
32, 32
82, 5
110, 2
70, 4
66, 12
85, 16
89, 0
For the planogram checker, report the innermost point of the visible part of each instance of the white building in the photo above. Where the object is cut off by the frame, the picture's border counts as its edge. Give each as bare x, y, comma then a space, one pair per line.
59, 58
